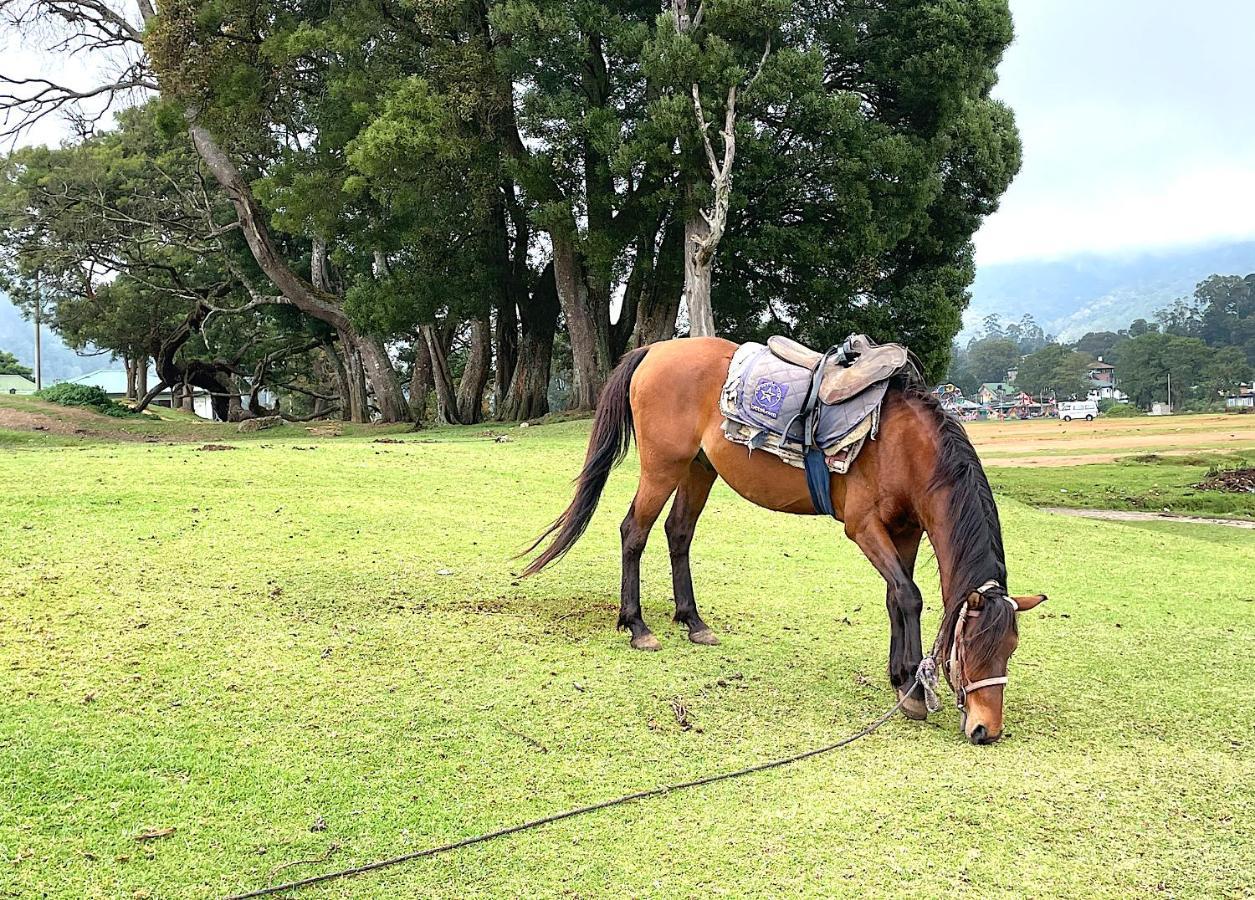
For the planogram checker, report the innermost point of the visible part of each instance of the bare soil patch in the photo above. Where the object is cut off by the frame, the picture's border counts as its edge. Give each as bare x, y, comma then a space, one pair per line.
70, 420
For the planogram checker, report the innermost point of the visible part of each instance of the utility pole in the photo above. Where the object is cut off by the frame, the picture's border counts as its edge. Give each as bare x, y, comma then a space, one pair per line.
1169, 393
39, 369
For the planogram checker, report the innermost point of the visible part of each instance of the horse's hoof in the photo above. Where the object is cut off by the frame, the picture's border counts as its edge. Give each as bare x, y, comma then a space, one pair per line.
646, 642
913, 707
705, 637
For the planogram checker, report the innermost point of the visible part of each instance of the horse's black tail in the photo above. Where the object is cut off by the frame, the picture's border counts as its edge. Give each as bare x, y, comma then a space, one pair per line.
611, 437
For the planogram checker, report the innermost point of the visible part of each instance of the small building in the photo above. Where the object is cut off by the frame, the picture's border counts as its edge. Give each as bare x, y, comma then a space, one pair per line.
993, 393
113, 383
1103, 372
16, 384
1102, 383
1243, 399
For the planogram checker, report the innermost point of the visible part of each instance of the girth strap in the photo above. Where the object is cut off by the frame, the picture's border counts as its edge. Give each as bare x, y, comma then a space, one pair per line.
818, 476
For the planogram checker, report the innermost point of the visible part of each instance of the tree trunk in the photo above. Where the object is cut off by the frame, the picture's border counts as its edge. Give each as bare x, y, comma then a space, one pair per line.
660, 299
342, 381
383, 377
470, 396
315, 302
506, 334
697, 276
355, 377
129, 365
446, 401
421, 380
528, 397
591, 364
141, 375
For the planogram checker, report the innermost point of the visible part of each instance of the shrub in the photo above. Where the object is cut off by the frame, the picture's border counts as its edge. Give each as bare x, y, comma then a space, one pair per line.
1122, 411
85, 395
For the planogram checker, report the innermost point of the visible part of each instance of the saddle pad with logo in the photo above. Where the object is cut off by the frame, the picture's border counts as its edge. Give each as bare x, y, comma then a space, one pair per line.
763, 394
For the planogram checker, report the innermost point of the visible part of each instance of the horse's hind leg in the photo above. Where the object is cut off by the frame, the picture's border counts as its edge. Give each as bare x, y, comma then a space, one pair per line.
690, 499
651, 496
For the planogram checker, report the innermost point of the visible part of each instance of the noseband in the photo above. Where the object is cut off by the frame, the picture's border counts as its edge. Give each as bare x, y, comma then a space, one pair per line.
954, 665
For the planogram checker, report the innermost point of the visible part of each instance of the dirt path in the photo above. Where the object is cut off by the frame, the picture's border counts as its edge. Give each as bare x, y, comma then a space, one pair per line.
1125, 515
68, 420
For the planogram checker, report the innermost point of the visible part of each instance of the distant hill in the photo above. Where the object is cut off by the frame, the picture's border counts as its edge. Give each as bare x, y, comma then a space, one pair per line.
17, 336
1069, 297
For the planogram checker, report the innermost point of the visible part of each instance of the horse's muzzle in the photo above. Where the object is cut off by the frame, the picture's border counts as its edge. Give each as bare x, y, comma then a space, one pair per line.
980, 735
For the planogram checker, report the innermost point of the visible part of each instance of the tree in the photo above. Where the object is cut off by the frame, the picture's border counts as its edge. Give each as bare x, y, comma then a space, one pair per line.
9, 365
406, 173
724, 49
988, 360
125, 241
1147, 360
1027, 335
1225, 371
1100, 345
1055, 370
1228, 313
1139, 327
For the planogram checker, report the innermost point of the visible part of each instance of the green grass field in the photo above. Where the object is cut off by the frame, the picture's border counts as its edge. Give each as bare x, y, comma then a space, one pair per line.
244, 645
1145, 482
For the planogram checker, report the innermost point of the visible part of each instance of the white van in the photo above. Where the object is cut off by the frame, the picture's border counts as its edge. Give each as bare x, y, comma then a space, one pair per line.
1078, 409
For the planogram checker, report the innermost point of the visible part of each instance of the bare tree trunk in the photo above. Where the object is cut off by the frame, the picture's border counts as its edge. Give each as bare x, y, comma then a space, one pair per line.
591, 364
528, 397
704, 227
698, 266
141, 375
129, 364
470, 396
446, 401
421, 380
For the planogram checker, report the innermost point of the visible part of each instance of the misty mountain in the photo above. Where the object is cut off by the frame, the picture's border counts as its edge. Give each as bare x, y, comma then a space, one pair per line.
1069, 297
17, 336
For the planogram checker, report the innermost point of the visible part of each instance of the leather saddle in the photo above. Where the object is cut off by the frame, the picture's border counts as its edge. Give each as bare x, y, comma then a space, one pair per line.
848, 370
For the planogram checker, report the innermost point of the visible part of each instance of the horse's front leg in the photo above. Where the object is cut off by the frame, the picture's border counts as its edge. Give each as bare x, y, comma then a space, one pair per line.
894, 558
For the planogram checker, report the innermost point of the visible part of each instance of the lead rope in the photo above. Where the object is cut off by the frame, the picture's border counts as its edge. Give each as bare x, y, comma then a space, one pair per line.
925, 677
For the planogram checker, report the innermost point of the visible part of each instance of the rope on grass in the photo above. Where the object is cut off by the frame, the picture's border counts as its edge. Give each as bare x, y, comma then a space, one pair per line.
922, 678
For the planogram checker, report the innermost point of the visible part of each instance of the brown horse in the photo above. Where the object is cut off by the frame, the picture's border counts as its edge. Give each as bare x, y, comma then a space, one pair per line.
920, 475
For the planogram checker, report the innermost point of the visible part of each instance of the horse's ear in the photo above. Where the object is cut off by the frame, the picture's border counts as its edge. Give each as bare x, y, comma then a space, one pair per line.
1024, 604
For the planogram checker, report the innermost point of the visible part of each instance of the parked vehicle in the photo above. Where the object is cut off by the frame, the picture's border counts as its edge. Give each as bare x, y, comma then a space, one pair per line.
1078, 409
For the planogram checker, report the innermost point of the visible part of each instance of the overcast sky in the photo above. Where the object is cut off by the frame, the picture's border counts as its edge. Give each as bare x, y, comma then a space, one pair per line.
1135, 116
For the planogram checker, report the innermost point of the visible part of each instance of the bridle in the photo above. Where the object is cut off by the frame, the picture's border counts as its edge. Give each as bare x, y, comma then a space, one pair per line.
954, 665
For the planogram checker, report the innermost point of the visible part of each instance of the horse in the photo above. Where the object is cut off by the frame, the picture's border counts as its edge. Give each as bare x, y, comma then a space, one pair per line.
920, 475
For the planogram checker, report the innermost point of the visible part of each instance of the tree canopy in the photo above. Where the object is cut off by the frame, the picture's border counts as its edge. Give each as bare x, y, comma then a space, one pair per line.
447, 183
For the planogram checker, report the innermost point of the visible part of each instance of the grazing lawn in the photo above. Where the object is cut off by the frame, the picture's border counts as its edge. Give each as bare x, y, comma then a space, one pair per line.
314, 648
1148, 482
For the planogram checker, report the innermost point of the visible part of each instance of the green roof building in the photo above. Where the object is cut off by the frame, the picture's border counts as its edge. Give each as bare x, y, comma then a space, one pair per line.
16, 384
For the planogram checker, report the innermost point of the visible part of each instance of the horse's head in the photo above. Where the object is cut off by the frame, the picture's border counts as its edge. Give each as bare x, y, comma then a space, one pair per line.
984, 637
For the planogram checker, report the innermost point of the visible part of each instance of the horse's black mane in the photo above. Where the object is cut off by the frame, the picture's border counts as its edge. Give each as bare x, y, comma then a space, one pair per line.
975, 537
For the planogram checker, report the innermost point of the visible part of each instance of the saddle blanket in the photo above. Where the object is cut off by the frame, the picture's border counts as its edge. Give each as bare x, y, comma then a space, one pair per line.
764, 393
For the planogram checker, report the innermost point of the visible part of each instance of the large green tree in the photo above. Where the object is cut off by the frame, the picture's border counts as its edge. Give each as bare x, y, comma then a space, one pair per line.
1055, 370
10, 365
